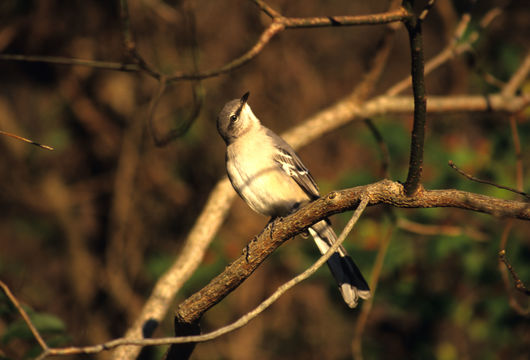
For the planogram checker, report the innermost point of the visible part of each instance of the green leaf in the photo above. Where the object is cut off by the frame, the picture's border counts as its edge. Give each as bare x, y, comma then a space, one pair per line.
45, 324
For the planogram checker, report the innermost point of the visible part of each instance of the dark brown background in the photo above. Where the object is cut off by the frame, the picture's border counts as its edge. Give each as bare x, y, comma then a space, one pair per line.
87, 229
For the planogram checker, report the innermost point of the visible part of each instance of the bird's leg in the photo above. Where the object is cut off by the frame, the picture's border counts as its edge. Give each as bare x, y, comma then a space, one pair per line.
305, 233
270, 225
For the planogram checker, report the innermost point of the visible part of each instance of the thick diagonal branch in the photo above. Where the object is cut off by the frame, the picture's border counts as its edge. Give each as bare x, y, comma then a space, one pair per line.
382, 192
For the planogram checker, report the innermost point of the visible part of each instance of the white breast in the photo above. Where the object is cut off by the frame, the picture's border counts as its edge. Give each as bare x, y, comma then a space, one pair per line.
258, 179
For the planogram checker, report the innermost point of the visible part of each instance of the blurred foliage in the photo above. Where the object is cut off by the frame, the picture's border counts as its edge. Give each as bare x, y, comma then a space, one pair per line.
51, 328
107, 204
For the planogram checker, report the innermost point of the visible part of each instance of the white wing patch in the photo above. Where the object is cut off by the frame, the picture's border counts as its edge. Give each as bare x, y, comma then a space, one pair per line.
293, 166
287, 164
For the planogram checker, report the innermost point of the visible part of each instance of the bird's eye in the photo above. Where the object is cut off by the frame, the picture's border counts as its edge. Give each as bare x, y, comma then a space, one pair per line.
233, 117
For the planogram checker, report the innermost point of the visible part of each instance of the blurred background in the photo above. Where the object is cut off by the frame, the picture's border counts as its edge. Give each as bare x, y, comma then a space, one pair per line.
86, 230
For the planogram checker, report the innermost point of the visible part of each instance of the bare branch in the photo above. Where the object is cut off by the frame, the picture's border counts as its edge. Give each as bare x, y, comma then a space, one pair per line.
26, 140
385, 191
503, 268
519, 285
267, 9
273, 29
470, 177
346, 20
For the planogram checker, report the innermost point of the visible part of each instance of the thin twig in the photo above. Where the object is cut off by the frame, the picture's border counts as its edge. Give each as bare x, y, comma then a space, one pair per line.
24, 315
519, 285
346, 20
512, 301
504, 267
26, 140
471, 177
267, 9
266, 36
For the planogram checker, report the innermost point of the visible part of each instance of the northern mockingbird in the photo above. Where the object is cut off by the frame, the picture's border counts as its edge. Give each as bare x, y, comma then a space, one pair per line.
266, 172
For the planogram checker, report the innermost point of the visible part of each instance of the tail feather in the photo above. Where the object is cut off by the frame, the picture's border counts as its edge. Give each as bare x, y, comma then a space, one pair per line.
352, 284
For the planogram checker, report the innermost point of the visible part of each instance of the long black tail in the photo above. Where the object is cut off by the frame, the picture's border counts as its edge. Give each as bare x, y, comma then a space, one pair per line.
348, 276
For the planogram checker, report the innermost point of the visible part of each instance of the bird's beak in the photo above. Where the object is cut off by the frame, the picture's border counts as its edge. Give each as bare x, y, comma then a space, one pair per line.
244, 98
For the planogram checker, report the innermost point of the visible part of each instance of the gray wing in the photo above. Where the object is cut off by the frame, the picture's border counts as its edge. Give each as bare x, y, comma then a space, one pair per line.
289, 162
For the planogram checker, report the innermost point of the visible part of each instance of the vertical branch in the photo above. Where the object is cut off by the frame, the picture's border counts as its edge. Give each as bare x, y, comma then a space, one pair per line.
413, 25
